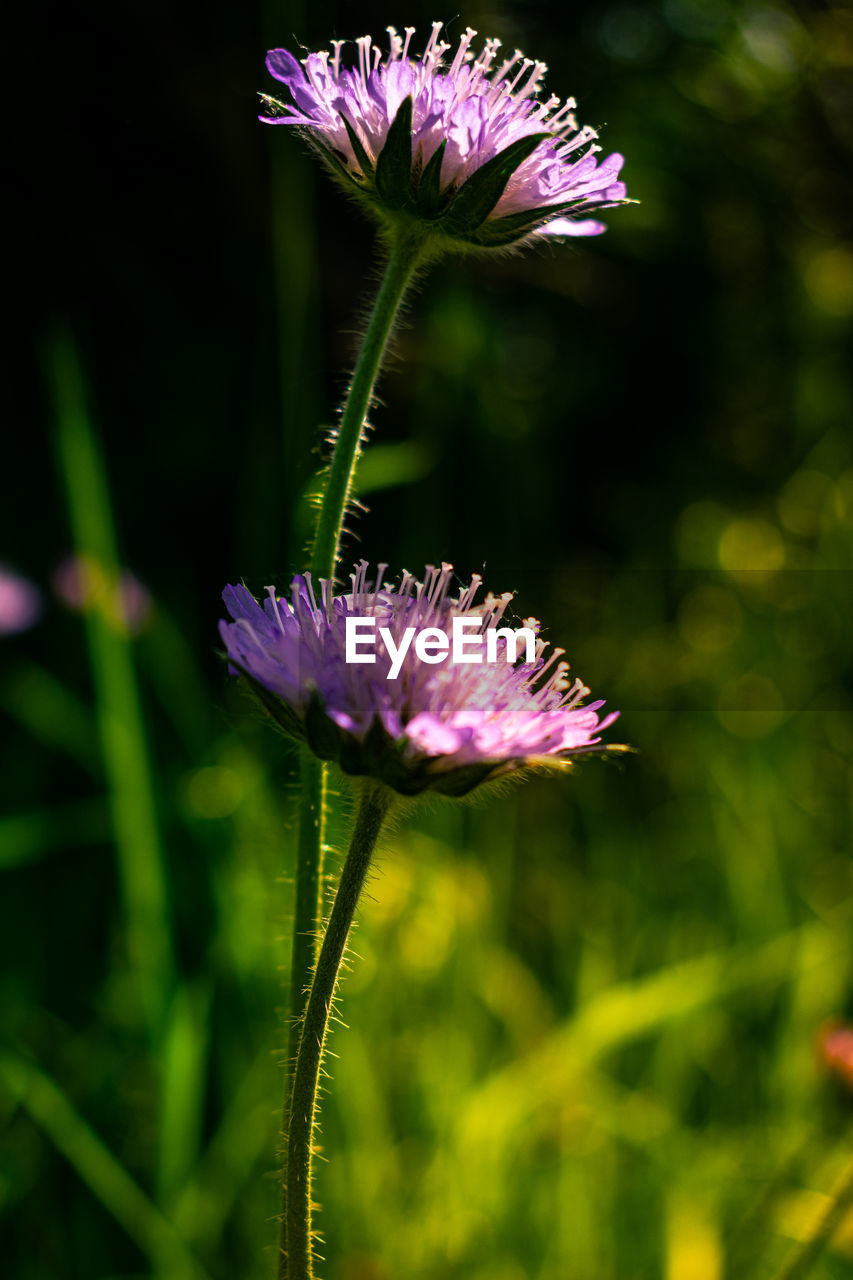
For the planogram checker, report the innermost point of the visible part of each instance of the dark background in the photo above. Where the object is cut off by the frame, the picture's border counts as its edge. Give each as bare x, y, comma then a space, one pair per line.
647, 436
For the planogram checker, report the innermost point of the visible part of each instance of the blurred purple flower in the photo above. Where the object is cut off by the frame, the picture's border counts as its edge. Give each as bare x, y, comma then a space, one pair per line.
463, 117
82, 583
446, 727
20, 603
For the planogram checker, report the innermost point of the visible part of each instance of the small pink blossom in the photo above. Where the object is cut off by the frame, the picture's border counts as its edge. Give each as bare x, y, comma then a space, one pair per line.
20, 603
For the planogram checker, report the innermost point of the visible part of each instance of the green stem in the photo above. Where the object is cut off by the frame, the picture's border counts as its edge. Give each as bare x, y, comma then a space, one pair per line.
308, 912
806, 1256
295, 1261
405, 254
405, 251
309, 893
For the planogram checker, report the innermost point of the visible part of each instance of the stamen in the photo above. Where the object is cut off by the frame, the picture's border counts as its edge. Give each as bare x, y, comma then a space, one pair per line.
444, 580
337, 45
429, 54
526, 64
505, 68
328, 597
555, 654
380, 574
464, 44
539, 69
487, 56
577, 692
502, 605
422, 588
271, 593
467, 597
310, 588
364, 43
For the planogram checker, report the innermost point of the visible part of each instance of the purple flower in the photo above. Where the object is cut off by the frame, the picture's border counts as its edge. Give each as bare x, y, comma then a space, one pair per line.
20, 603
446, 724
83, 584
466, 147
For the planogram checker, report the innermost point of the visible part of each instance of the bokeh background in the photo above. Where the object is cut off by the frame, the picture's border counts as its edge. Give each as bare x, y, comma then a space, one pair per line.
584, 1014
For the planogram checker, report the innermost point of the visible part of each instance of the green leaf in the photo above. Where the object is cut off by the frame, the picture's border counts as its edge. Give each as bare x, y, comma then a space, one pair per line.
429, 188
394, 165
476, 198
364, 161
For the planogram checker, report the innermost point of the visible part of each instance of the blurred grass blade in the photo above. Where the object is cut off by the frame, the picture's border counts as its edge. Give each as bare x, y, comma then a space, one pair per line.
26, 837
123, 740
183, 1089
244, 1136
508, 1099
168, 663
105, 1177
51, 712
385, 466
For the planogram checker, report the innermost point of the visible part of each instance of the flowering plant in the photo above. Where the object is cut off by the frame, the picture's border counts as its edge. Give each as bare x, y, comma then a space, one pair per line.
442, 728
468, 151
456, 157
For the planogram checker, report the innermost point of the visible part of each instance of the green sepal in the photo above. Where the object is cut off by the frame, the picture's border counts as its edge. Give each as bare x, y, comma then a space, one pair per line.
335, 164
275, 707
394, 164
398, 773
503, 231
322, 734
429, 187
460, 781
366, 757
364, 160
381, 756
476, 198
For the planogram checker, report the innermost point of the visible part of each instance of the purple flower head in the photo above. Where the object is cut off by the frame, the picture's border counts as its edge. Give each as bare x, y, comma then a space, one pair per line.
20, 603
444, 723
82, 583
464, 146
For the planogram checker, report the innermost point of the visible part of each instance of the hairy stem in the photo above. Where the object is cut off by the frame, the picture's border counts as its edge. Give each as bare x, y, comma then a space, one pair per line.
308, 912
403, 258
296, 1259
309, 895
405, 253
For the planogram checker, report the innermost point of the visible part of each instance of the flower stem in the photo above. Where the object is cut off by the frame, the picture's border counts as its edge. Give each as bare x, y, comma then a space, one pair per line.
308, 912
309, 896
296, 1259
405, 254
